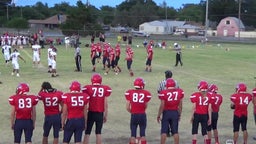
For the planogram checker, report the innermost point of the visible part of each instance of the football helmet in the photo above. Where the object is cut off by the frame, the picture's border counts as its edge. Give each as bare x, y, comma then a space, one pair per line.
202, 86
241, 87
75, 86
170, 83
96, 79
139, 83
22, 88
213, 88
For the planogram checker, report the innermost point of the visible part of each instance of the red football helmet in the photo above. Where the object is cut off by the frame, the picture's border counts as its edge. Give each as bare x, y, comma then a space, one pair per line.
170, 83
202, 86
22, 88
139, 83
241, 87
213, 88
96, 79
75, 86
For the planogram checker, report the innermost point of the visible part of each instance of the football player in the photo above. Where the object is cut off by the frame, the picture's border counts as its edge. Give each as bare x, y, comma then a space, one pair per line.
129, 59
149, 58
201, 111
111, 60
23, 113
98, 106
136, 103
93, 56
74, 114
15, 55
49, 50
6, 50
105, 55
170, 109
240, 101
216, 103
117, 53
36, 48
254, 106
53, 55
52, 101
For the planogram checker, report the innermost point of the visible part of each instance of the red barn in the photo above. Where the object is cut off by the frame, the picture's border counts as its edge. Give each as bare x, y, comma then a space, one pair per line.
229, 26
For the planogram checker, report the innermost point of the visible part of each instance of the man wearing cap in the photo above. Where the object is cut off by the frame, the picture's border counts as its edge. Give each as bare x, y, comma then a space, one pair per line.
177, 48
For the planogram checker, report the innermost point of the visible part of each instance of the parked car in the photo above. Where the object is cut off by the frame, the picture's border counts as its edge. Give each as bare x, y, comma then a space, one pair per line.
140, 34
201, 33
124, 31
106, 28
178, 33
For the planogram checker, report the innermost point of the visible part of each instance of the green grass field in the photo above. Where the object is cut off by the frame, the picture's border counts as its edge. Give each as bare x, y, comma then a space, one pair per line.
209, 62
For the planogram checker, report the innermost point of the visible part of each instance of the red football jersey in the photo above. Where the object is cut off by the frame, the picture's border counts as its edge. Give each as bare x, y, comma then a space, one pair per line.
118, 51
75, 103
51, 100
112, 55
97, 94
172, 98
202, 103
23, 105
129, 54
150, 54
241, 102
216, 102
138, 100
106, 51
254, 96
93, 51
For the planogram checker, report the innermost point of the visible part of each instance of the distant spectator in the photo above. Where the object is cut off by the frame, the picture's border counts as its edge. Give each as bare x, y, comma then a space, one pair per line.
92, 38
119, 38
67, 41
163, 44
130, 39
124, 38
145, 42
41, 41
102, 37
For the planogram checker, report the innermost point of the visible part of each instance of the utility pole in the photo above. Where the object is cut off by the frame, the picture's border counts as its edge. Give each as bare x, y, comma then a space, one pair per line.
206, 19
167, 29
239, 18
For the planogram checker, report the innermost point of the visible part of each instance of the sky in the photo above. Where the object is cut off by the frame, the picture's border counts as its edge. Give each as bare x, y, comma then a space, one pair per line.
98, 3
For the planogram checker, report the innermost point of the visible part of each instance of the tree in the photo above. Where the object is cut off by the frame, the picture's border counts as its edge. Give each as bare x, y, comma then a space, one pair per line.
81, 18
133, 12
191, 12
18, 23
107, 15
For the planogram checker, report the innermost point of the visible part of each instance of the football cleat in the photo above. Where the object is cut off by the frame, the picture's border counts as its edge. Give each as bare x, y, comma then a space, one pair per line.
131, 74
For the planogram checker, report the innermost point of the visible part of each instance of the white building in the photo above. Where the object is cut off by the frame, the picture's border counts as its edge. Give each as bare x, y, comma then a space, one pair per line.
161, 26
